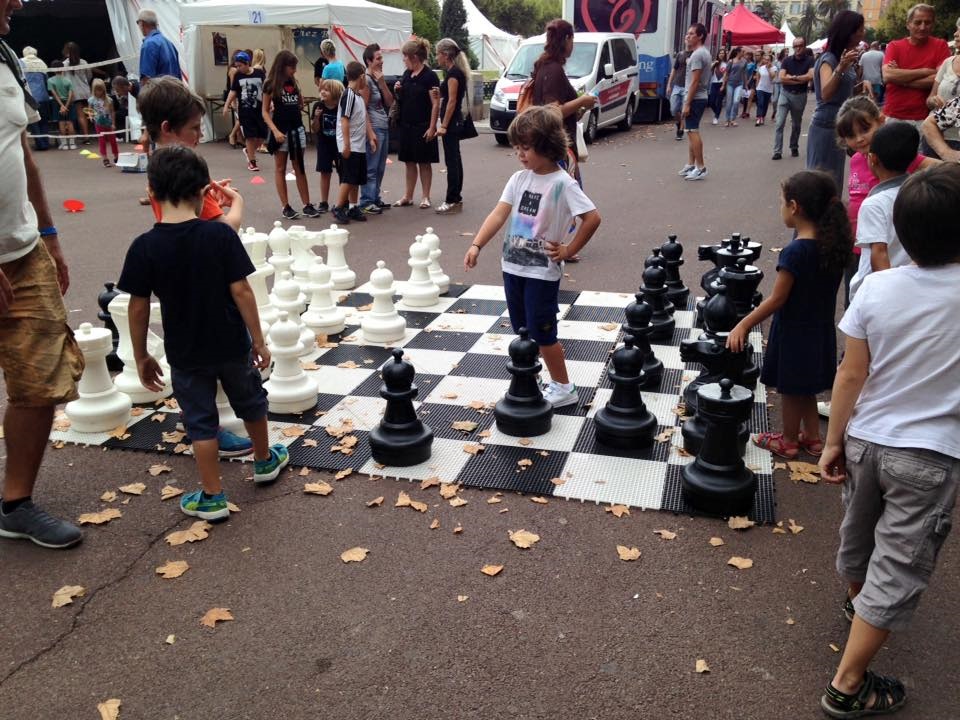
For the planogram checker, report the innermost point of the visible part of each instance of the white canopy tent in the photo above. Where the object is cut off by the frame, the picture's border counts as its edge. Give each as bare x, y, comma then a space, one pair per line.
818, 45
492, 47
788, 38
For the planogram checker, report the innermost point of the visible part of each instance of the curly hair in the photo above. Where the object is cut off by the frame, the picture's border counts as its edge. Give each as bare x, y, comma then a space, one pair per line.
541, 128
815, 193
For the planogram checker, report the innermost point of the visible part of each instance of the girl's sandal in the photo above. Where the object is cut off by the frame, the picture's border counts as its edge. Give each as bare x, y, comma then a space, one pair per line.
813, 447
403, 202
775, 443
424, 204
888, 694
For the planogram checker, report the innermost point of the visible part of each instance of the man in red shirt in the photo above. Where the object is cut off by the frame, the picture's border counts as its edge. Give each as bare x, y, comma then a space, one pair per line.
910, 65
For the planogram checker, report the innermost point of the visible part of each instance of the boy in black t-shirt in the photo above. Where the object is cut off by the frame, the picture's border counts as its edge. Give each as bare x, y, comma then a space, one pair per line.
198, 270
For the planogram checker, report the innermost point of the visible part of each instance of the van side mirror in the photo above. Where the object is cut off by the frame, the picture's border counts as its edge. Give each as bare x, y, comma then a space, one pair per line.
608, 70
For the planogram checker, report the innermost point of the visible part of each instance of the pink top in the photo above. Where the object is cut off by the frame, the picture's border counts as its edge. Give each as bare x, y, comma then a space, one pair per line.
862, 181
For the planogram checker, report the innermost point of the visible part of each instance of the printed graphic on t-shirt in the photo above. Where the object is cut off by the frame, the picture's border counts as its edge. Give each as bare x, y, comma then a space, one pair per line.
523, 245
250, 92
289, 95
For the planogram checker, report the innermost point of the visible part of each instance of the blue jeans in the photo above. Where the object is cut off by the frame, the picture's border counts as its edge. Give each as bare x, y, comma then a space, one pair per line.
763, 102
376, 166
733, 96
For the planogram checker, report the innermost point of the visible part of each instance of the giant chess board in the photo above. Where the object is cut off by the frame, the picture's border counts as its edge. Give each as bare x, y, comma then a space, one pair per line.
459, 350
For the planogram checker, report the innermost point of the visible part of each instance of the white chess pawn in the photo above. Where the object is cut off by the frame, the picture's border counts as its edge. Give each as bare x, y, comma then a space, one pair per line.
420, 290
101, 406
279, 240
301, 247
335, 238
323, 316
432, 241
228, 418
289, 389
128, 381
287, 297
382, 325
287, 276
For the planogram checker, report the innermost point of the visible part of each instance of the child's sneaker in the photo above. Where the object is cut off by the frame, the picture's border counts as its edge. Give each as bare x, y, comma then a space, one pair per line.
289, 213
232, 445
340, 215
310, 211
558, 396
252, 166
323, 207
355, 213
213, 507
268, 470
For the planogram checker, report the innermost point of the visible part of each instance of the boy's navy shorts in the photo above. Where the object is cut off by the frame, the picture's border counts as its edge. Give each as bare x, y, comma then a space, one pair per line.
353, 169
532, 303
196, 392
327, 155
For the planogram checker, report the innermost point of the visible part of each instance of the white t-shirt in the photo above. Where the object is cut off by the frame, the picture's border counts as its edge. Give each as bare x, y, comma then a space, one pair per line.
544, 207
911, 398
18, 221
353, 108
875, 225
765, 82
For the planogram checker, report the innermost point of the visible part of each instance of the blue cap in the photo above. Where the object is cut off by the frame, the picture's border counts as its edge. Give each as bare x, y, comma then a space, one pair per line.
241, 57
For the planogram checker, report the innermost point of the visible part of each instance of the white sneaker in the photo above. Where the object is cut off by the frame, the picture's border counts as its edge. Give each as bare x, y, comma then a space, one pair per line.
714, 122
685, 170
73, 145
696, 174
558, 397
823, 409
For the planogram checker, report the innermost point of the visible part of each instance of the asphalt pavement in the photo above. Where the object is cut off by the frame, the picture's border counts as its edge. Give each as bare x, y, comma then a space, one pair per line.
566, 630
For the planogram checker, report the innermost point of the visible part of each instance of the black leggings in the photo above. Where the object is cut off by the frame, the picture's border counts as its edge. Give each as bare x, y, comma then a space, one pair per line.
454, 163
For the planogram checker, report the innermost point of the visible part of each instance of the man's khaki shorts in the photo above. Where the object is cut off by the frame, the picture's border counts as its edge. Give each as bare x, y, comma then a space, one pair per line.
40, 358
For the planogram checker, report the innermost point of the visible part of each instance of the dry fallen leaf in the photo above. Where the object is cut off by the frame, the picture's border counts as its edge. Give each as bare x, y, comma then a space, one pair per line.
449, 396
343, 474
449, 490
834, 648
457, 502
523, 539
109, 709
702, 667
357, 554
462, 598
309, 365
539, 500
491, 570
403, 500
171, 639
169, 491
434, 524
338, 431
779, 466
109, 496
738, 522
348, 364
608, 326
525, 463
665, 435
740, 563
174, 436
180, 448
215, 615
309, 442
99, 518
294, 431
628, 554
618, 510
794, 528
304, 472
120, 432
665, 534
318, 488
467, 426
473, 448
133, 488
558, 481
172, 569
200, 530
458, 529
807, 472
66, 594
159, 468
429, 482
158, 417
376, 502
790, 621
716, 541
232, 508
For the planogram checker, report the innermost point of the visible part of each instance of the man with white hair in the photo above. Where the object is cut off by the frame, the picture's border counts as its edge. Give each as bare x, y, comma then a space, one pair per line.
910, 66
158, 56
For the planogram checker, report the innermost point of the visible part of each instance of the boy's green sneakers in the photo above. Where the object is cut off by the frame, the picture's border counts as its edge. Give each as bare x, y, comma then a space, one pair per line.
212, 508
268, 470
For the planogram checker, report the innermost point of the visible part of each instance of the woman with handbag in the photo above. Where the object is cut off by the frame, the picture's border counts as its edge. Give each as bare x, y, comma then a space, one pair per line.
456, 84
418, 110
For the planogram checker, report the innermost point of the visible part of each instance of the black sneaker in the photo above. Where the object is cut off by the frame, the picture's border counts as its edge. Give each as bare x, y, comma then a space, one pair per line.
289, 213
794, 152
29, 522
384, 205
323, 207
679, 133
355, 213
777, 156
340, 215
310, 211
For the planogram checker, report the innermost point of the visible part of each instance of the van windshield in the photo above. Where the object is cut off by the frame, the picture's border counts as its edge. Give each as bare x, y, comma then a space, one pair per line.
580, 63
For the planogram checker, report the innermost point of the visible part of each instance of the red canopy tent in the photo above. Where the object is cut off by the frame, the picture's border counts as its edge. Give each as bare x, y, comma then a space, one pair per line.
742, 27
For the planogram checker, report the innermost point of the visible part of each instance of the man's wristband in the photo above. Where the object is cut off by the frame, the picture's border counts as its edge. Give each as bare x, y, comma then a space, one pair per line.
48, 231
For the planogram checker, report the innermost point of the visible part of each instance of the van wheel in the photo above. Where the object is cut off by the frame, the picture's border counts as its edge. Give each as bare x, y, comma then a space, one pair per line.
627, 121
501, 138
590, 131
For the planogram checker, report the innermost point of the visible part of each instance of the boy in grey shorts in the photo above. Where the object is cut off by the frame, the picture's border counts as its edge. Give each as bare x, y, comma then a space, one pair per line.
897, 401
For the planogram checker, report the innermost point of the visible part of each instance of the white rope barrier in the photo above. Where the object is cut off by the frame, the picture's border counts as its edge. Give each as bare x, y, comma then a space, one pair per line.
87, 66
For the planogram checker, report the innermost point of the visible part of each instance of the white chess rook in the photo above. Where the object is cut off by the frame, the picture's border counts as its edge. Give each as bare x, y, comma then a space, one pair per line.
279, 240
432, 241
335, 238
323, 316
289, 389
287, 298
101, 406
128, 381
420, 290
382, 325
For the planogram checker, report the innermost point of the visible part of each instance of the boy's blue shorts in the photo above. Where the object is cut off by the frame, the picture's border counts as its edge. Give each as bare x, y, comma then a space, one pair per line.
532, 303
196, 392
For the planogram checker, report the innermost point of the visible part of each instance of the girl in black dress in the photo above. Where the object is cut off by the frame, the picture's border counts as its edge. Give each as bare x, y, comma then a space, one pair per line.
452, 93
419, 109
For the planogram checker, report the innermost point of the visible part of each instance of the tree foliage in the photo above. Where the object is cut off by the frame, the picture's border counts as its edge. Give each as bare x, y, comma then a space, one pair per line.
426, 16
893, 22
453, 25
520, 17
827, 10
809, 25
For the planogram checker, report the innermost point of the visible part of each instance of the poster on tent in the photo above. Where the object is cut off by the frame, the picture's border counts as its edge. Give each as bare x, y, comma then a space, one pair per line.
221, 51
632, 16
306, 44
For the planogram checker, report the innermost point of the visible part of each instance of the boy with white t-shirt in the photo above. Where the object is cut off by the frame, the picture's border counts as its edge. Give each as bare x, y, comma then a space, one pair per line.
893, 149
897, 400
353, 133
541, 203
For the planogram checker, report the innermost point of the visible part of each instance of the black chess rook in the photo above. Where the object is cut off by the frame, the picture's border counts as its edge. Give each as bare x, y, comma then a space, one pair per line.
624, 422
523, 411
401, 439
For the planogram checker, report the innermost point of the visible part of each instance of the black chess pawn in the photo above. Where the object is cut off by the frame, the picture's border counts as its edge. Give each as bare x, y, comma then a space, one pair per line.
638, 315
652, 258
672, 253
741, 281
523, 411
401, 439
718, 482
114, 363
625, 422
654, 294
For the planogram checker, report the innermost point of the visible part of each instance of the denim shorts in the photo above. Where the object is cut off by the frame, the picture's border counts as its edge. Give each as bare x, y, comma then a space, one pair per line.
196, 392
692, 121
532, 303
677, 95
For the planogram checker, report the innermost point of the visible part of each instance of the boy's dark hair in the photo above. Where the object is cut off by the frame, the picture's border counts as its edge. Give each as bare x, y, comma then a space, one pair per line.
168, 98
355, 71
540, 127
816, 195
176, 174
369, 52
895, 145
925, 215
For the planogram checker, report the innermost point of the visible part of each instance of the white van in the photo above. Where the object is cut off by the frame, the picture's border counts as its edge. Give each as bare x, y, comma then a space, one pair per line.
601, 63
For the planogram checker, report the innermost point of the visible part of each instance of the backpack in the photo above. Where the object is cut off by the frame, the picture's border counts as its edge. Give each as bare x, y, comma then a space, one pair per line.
525, 96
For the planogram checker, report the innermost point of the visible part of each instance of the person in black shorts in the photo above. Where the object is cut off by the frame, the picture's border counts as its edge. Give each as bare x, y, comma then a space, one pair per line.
419, 109
247, 91
353, 134
323, 124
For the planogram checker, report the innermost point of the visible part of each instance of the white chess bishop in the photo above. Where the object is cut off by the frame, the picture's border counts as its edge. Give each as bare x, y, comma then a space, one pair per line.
101, 407
420, 290
382, 325
335, 239
287, 298
323, 317
128, 381
279, 240
289, 389
432, 241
